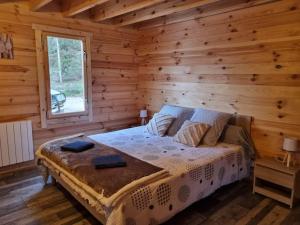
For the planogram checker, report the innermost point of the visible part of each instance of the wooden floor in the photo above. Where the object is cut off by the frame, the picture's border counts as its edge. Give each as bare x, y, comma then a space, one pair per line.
24, 200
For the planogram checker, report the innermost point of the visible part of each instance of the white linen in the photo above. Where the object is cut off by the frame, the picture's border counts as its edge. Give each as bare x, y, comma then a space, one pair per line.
195, 173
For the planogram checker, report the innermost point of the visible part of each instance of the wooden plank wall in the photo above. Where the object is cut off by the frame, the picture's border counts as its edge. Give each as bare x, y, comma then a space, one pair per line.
246, 61
114, 72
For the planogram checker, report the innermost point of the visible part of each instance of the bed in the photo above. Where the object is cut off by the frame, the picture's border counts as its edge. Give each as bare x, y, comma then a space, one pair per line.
187, 175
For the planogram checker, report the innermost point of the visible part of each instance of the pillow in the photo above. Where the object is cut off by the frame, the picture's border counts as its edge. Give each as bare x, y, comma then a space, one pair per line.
217, 121
239, 136
180, 113
191, 133
159, 124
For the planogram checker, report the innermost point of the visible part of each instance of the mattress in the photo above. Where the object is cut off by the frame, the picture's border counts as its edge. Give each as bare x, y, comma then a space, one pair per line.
194, 174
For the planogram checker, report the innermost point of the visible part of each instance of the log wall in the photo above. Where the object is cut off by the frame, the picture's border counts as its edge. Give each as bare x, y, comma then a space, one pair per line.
114, 72
244, 61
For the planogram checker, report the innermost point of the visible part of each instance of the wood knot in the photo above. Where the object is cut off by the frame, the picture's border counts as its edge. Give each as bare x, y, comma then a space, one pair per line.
295, 76
278, 66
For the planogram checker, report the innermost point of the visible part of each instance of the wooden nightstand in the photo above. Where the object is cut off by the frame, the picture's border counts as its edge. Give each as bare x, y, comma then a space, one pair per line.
274, 180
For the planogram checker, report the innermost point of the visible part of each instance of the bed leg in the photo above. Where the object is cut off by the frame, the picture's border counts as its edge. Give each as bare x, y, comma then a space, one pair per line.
45, 174
53, 181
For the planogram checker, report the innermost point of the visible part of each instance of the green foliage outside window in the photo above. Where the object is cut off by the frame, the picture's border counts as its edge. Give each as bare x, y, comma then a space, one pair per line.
66, 65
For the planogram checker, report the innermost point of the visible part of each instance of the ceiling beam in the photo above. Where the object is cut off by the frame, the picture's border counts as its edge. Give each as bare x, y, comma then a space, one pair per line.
122, 7
82, 6
163, 9
37, 4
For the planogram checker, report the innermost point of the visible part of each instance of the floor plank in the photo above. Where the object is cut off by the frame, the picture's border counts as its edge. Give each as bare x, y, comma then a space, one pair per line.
24, 200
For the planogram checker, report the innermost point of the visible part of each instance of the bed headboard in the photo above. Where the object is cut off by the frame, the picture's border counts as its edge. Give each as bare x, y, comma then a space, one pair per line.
242, 121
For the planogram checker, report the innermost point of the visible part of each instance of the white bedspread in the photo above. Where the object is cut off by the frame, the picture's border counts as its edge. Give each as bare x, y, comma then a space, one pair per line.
195, 173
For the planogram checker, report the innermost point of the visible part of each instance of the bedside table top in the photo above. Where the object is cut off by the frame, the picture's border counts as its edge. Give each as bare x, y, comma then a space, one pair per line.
276, 165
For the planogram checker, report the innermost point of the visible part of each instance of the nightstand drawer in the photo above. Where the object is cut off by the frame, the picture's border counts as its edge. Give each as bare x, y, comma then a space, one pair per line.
274, 176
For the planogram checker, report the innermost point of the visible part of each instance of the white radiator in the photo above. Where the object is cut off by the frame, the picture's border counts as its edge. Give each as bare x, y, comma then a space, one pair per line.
16, 144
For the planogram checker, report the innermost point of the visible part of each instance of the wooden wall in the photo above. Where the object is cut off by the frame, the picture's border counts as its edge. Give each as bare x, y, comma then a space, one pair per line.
114, 72
244, 61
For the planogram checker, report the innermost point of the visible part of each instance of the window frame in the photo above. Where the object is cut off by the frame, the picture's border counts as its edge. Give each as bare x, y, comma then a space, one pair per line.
48, 119
47, 75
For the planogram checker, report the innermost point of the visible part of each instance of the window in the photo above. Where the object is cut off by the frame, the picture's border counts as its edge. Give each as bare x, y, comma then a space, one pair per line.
64, 75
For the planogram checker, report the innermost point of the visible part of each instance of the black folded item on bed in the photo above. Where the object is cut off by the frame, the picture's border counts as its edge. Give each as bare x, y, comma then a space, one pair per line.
77, 146
108, 161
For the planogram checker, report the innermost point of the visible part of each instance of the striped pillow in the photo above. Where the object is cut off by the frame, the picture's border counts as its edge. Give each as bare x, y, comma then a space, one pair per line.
191, 133
159, 124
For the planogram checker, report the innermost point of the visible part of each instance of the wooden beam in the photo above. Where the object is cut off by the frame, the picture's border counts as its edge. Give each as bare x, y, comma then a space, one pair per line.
202, 12
113, 9
82, 6
163, 9
37, 4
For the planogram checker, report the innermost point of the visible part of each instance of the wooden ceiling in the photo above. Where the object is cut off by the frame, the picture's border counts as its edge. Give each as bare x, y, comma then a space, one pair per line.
118, 12
140, 13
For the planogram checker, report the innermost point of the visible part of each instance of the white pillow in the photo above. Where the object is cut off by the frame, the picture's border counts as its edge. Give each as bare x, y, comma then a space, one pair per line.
159, 124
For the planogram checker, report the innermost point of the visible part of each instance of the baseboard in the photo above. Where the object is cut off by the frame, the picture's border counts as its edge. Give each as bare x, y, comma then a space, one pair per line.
16, 167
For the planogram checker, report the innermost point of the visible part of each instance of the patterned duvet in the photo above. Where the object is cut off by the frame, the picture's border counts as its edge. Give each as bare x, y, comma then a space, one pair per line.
194, 174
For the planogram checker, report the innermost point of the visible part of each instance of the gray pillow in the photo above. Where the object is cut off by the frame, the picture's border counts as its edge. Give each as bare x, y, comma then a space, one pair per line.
239, 136
180, 113
217, 121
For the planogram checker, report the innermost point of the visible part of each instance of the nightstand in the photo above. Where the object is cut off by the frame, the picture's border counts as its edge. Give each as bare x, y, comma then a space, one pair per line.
276, 181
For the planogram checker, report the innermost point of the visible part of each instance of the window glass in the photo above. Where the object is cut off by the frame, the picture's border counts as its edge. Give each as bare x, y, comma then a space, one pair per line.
66, 69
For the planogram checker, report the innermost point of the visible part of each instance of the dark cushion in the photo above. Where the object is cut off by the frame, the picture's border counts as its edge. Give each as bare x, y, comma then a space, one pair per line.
77, 146
108, 161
